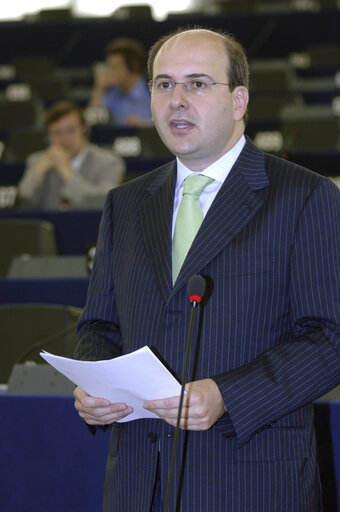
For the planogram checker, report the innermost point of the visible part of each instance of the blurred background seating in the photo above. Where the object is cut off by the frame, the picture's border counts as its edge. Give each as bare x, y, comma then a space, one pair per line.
24, 141
289, 76
27, 266
293, 49
294, 110
29, 328
75, 230
19, 114
25, 236
294, 53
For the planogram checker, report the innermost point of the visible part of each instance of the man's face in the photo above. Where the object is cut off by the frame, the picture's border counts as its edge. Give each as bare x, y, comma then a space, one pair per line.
68, 132
118, 72
198, 127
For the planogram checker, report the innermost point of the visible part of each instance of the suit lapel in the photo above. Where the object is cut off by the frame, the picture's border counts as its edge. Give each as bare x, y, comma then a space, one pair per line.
234, 206
155, 214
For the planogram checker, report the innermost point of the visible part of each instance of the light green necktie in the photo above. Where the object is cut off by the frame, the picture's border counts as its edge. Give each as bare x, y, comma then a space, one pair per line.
189, 218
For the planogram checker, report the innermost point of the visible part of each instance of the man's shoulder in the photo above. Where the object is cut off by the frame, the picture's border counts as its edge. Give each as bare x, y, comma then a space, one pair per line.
277, 165
285, 176
33, 157
291, 179
102, 154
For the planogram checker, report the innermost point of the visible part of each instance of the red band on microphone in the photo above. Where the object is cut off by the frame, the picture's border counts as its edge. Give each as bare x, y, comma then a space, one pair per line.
197, 298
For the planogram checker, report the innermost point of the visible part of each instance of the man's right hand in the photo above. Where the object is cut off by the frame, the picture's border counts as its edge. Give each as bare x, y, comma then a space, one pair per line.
98, 411
54, 157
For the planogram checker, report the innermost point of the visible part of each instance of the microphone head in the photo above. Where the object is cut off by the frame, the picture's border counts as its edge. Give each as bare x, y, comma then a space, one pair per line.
196, 288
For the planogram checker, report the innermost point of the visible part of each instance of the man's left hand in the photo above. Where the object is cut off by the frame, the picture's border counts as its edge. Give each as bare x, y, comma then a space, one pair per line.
202, 406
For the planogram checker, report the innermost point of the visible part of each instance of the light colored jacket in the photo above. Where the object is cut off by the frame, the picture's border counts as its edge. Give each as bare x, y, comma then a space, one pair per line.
100, 171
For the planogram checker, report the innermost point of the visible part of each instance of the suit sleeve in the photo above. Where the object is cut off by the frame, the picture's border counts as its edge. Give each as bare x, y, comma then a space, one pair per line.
295, 373
98, 330
27, 187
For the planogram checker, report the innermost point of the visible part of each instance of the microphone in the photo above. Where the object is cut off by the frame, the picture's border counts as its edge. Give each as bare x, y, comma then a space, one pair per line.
196, 290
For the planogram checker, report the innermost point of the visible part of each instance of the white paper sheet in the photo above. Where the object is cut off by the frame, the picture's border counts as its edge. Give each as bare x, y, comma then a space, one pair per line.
132, 379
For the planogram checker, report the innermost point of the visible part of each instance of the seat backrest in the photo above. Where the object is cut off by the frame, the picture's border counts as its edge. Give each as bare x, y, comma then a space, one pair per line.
269, 80
49, 88
133, 12
26, 329
19, 114
27, 66
151, 143
314, 134
269, 106
25, 236
325, 55
22, 143
49, 266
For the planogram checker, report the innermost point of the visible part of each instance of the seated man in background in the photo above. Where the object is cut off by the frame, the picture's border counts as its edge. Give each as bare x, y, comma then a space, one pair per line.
336, 180
120, 85
70, 169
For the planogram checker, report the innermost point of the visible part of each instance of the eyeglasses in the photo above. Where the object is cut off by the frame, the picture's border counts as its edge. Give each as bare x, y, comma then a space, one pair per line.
193, 85
69, 130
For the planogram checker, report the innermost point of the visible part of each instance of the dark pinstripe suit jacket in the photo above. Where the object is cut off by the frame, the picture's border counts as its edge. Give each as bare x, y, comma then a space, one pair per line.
267, 333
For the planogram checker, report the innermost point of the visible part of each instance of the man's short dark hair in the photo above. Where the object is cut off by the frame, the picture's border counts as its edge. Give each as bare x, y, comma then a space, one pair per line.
132, 51
237, 72
61, 109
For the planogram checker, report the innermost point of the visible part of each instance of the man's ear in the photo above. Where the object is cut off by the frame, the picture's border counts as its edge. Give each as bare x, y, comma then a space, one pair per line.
241, 98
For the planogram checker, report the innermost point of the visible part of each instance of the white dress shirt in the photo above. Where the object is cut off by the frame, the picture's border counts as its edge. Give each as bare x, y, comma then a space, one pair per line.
77, 161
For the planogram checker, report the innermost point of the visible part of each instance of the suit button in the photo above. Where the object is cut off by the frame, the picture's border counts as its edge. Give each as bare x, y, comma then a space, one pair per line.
152, 437
268, 425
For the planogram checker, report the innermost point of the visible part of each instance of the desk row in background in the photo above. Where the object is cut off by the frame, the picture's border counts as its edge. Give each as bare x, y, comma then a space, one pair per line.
47, 446
278, 123
12, 171
325, 162
27, 234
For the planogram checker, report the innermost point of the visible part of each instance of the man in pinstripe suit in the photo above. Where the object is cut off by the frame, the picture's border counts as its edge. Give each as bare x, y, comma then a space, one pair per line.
268, 335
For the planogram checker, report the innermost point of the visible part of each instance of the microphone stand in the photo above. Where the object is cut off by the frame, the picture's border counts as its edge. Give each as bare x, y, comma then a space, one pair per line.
194, 304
